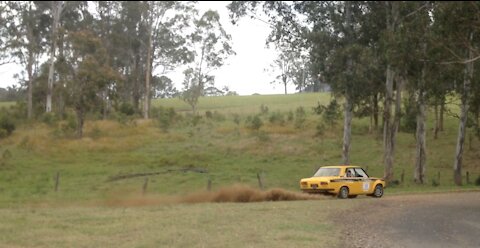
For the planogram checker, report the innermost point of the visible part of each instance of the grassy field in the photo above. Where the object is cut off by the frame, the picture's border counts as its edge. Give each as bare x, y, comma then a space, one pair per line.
111, 182
264, 224
281, 154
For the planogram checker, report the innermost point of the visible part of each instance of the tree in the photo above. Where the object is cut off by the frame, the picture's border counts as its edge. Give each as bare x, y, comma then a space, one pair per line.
164, 22
56, 11
25, 40
90, 74
211, 47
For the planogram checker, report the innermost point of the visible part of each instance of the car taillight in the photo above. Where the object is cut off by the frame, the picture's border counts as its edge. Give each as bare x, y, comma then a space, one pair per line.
304, 183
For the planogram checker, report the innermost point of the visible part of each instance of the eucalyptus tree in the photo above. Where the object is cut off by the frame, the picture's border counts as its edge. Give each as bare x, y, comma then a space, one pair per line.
458, 23
56, 11
211, 47
90, 74
25, 39
166, 23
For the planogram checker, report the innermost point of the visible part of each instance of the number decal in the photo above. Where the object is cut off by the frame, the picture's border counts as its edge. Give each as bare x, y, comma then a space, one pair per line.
366, 186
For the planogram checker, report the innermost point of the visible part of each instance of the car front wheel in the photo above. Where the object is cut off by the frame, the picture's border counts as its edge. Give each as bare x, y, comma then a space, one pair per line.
378, 191
343, 193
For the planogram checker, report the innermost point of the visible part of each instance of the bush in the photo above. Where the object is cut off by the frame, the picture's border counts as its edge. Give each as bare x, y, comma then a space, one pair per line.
254, 123
49, 118
165, 117
320, 129
127, 109
477, 181
263, 109
330, 113
277, 118
6, 124
290, 116
262, 136
236, 119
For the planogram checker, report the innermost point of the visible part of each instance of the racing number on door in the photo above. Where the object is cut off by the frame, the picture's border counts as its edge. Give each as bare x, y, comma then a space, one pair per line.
366, 186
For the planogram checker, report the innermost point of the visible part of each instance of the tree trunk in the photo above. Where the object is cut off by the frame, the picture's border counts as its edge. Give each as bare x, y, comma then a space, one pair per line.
387, 130
442, 111
56, 11
468, 76
437, 124
347, 127
421, 155
146, 103
80, 121
375, 111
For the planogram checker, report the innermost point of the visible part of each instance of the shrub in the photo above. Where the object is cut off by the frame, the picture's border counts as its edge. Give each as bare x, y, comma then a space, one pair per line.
263, 109
330, 113
236, 119
276, 118
6, 124
254, 123
262, 136
208, 114
217, 116
477, 181
127, 109
164, 116
290, 116
49, 118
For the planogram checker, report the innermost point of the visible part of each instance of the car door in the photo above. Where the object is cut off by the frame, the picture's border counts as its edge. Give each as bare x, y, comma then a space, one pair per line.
354, 183
364, 183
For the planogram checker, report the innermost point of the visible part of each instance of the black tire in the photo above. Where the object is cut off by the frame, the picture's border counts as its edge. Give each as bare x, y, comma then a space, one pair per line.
343, 193
378, 191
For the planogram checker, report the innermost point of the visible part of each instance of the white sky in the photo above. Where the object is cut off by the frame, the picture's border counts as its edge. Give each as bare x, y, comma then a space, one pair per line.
243, 72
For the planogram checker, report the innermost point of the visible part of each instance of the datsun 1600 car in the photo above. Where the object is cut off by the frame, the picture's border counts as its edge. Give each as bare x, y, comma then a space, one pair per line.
344, 181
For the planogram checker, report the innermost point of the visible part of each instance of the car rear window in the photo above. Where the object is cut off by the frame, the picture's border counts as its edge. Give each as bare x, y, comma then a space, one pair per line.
327, 172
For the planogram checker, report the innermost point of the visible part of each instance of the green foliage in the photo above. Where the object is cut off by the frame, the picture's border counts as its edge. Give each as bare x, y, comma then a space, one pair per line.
254, 123
409, 118
330, 113
236, 119
127, 108
7, 125
262, 136
277, 118
66, 128
477, 181
290, 116
263, 109
165, 117
49, 118
215, 115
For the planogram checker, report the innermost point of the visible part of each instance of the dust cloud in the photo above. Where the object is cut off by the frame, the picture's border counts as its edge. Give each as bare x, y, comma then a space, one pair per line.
235, 193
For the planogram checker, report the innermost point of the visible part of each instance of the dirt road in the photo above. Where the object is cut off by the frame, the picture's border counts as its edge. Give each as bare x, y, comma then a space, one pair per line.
422, 220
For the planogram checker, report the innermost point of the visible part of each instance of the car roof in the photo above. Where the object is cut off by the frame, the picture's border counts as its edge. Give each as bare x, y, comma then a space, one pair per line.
341, 166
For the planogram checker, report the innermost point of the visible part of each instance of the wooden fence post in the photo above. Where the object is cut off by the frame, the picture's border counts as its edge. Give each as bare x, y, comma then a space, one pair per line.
260, 182
57, 181
209, 184
145, 185
402, 177
468, 177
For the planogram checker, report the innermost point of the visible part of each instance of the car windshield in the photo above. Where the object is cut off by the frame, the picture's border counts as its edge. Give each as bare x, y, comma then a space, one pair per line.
327, 172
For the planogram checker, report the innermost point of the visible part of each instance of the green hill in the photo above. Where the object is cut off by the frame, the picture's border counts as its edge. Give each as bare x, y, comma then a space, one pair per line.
117, 158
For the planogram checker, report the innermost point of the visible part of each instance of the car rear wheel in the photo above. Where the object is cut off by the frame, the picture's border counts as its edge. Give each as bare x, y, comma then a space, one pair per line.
378, 192
343, 193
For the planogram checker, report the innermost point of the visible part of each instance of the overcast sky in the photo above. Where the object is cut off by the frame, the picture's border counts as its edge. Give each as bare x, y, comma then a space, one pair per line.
243, 72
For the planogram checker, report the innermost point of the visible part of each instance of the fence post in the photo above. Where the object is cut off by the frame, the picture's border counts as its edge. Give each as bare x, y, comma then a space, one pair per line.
468, 177
402, 177
438, 176
260, 182
145, 185
57, 181
209, 184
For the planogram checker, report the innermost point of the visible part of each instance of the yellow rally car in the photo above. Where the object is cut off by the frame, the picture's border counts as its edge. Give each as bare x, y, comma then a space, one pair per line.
345, 181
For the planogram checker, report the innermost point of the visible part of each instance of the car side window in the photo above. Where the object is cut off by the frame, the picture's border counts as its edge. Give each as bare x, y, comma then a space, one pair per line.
360, 173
